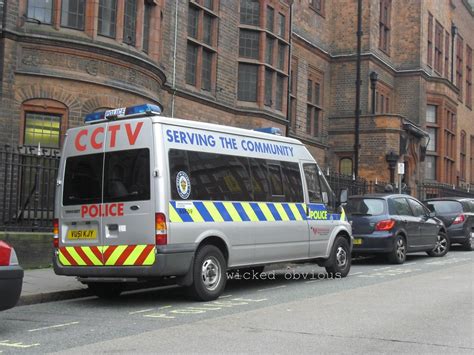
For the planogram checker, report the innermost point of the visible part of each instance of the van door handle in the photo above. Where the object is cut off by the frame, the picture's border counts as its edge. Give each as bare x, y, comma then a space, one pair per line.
134, 207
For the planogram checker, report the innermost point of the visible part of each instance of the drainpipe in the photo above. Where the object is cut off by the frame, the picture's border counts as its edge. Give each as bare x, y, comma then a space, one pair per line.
174, 56
358, 82
288, 96
454, 31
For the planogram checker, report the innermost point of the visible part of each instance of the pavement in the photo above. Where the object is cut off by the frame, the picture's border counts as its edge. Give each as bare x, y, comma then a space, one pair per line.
43, 285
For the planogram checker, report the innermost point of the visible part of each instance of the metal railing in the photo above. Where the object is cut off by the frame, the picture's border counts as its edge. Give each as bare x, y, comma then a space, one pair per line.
433, 190
28, 181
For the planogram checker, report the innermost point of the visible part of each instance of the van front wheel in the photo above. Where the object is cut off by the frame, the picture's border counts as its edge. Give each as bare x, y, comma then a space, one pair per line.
209, 274
339, 262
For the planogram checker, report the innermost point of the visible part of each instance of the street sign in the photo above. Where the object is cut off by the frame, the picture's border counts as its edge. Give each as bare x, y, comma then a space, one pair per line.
401, 168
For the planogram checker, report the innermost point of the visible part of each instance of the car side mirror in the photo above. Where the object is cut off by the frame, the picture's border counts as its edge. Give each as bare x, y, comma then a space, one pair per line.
432, 214
343, 196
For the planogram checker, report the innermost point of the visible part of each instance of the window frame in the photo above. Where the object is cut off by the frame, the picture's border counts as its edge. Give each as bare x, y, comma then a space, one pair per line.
84, 4
314, 108
318, 6
34, 19
114, 23
384, 26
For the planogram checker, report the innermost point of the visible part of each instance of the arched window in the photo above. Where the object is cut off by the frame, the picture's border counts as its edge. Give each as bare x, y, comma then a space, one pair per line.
44, 122
345, 166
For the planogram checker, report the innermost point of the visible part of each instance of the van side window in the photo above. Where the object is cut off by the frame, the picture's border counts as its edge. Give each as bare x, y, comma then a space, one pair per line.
312, 182
178, 160
219, 177
292, 182
83, 179
261, 186
326, 189
276, 181
127, 175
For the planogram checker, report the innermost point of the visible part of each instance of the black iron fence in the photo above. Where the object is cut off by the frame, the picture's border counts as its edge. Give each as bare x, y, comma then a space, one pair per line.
28, 181
432, 190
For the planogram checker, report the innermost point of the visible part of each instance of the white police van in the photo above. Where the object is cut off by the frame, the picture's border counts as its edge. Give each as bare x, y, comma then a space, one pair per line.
141, 197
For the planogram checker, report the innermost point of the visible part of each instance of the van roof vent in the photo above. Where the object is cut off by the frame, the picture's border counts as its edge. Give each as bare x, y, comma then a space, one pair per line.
122, 113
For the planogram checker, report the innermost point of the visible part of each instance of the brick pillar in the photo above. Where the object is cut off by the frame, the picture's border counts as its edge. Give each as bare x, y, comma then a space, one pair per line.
92, 16
120, 15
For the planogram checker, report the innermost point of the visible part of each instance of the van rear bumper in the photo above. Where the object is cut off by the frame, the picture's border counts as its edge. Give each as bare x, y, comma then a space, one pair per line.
168, 263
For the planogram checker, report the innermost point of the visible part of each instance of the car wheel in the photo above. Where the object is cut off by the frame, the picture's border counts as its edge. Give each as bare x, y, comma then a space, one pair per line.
399, 253
339, 262
209, 274
441, 247
105, 290
469, 242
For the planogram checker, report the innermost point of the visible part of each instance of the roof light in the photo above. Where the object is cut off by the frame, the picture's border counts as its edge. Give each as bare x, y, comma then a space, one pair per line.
271, 130
123, 112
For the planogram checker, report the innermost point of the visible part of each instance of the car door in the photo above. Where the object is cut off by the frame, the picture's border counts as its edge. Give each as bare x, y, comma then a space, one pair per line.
428, 229
407, 221
320, 225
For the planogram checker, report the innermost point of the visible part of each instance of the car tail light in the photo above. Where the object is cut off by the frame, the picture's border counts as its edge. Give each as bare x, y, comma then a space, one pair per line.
56, 233
385, 225
459, 219
7, 255
161, 230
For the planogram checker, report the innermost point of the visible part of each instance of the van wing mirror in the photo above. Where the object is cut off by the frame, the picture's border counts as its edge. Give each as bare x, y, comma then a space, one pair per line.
343, 196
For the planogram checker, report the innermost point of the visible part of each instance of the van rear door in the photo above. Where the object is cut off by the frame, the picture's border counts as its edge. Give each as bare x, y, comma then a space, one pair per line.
128, 210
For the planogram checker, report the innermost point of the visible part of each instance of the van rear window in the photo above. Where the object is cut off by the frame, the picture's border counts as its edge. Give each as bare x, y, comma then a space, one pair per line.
126, 178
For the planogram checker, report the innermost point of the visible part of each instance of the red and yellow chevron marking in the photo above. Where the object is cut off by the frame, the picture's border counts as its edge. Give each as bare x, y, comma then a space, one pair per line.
115, 255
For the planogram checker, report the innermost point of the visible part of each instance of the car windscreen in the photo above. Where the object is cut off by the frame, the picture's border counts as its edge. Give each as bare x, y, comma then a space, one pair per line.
365, 206
445, 207
126, 178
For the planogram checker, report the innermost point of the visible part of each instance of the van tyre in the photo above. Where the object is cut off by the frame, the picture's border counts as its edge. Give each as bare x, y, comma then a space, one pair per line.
399, 253
105, 290
442, 245
209, 274
339, 262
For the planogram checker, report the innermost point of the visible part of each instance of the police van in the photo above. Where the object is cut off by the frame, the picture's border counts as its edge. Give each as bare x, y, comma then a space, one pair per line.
141, 197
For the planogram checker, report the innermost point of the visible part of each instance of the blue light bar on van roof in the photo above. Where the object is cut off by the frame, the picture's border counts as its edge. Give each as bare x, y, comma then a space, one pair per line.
123, 112
271, 130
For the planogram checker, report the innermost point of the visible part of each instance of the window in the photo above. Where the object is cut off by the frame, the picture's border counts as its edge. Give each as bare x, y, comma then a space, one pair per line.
107, 18
249, 43
365, 206
130, 22
384, 25
220, 177
42, 128
72, 13
247, 84
313, 103
432, 143
250, 12
468, 76
459, 64
146, 26
449, 146
318, 6
40, 10
345, 166
446, 54
201, 48
417, 208
430, 167
399, 206
383, 94
438, 59
463, 156
430, 40
263, 49
311, 173
432, 129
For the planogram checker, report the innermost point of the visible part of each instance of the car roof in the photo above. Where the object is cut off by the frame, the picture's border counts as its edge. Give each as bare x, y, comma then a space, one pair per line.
456, 198
384, 196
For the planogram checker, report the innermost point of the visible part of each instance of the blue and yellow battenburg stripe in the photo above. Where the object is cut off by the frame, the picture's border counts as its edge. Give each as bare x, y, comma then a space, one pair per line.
226, 211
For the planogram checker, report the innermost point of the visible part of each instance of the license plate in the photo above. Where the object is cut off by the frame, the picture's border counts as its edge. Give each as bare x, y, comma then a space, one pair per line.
82, 234
357, 241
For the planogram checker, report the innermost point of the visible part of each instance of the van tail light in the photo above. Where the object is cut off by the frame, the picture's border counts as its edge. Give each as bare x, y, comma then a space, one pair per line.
56, 233
161, 230
459, 219
385, 225
7, 255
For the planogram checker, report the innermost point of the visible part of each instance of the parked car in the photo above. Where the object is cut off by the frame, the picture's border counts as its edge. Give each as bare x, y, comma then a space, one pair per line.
457, 213
395, 225
11, 277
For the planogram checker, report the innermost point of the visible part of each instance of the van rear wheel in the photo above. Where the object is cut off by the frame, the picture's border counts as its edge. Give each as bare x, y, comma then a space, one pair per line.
105, 290
209, 271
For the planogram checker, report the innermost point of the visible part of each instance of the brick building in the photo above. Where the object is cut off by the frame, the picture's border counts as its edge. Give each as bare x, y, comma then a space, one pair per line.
252, 63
